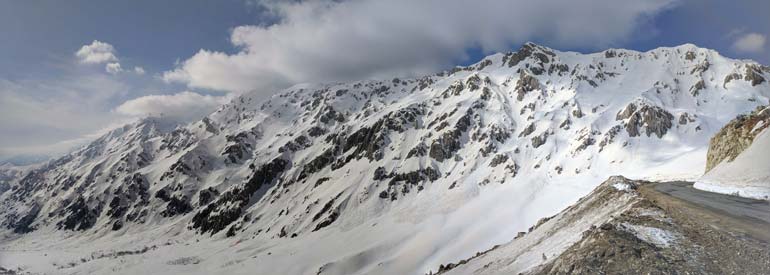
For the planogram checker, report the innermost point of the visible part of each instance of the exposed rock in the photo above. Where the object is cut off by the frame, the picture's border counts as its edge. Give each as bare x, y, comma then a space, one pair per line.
652, 118
736, 136
528, 130
498, 159
448, 143
695, 89
689, 56
685, 118
79, 216
731, 77
525, 84
225, 210
753, 75
539, 140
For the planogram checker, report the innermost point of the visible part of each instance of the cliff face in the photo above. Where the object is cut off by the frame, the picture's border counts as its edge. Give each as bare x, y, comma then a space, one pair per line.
736, 136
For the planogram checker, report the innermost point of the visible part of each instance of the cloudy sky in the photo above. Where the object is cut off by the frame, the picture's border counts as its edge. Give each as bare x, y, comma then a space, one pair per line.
72, 69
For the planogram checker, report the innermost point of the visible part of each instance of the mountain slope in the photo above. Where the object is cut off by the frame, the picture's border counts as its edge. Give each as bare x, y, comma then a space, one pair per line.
388, 176
740, 157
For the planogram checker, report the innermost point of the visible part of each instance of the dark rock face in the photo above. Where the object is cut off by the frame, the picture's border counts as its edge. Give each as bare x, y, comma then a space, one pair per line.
685, 118
585, 140
207, 195
498, 159
318, 163
736, 136
418, 151
79, 216
404, 182
731, 77
539, 140
238, 146
448, 143
453, 90
754, 75
368, 142
653, 119
695, 89
329, 115
316, 131
380, 174
689, 56
23, 225
526, 84
225, 210
529, 49
528, 130
299, 143
177, 205
331, 217
700, 68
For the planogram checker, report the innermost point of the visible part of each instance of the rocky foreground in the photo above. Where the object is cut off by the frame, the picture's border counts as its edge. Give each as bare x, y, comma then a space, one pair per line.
631, 227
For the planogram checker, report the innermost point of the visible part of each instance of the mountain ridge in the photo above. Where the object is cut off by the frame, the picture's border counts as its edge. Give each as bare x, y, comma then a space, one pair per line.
520, 134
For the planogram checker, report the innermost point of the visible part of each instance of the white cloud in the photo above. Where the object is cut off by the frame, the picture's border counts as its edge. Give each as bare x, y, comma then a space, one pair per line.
183, 106
100, 53
113, 68
750, 43
51, 115
96, 53
345, 40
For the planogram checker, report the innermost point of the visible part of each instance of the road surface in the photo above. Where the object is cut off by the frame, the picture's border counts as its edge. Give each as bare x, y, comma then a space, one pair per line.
735, 214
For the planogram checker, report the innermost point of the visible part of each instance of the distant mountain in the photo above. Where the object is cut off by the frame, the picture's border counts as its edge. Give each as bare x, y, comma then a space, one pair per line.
393, 176
23, 160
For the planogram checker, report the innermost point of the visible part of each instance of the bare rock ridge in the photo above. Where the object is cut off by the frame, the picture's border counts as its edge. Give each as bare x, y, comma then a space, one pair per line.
736, 136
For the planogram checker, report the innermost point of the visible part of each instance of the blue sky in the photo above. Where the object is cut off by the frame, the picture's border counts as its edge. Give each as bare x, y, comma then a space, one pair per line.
201, 53
38, 34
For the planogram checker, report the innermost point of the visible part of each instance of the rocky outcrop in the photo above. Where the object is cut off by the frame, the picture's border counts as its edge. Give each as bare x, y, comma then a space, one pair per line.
653, 119
229, 207
754, 75
736, 136
526, 84
448, 143
529, 49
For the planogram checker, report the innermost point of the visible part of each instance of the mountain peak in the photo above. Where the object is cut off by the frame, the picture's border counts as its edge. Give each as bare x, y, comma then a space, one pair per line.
355, 155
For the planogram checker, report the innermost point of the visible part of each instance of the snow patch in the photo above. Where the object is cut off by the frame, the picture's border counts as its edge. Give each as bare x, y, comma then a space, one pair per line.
653, 235
622, 186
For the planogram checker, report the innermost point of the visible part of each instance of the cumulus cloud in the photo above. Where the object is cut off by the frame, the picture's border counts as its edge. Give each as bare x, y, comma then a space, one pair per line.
113, 68
750, 43
96, 53
345, 40
99, 52
183, 106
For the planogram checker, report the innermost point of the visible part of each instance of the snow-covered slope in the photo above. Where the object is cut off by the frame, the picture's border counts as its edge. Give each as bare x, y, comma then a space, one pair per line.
392, 176
748, 173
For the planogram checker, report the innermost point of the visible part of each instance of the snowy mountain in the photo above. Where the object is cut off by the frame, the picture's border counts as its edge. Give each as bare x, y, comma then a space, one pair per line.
393, 176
